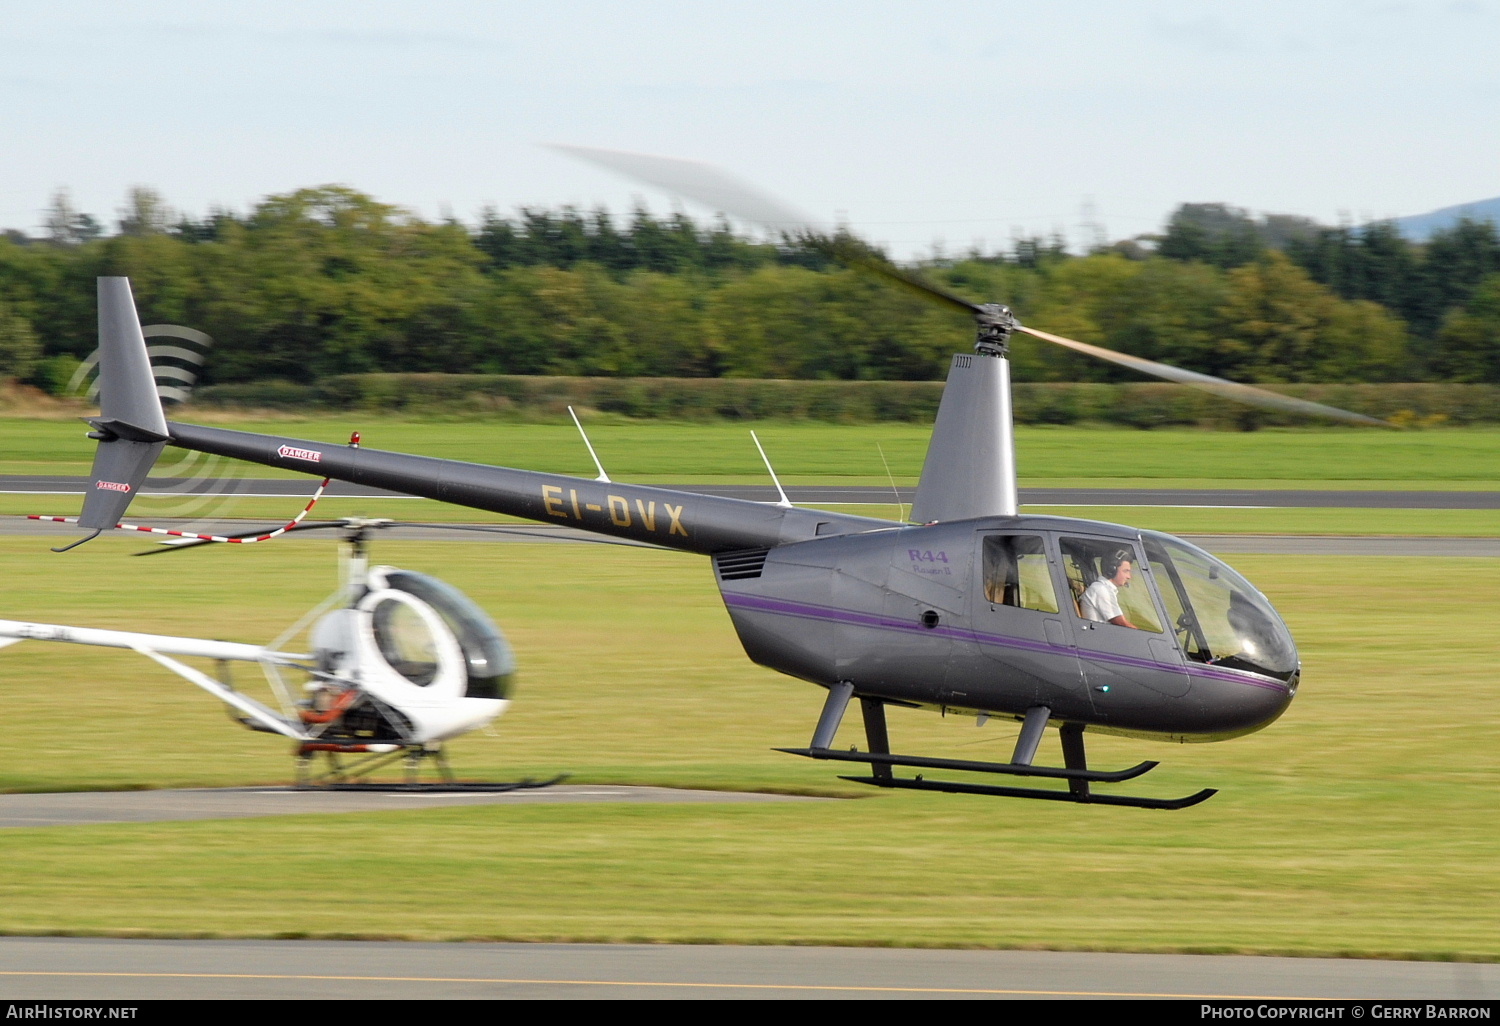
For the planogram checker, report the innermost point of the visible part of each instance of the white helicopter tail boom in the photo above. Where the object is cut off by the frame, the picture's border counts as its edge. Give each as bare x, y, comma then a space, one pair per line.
156, 647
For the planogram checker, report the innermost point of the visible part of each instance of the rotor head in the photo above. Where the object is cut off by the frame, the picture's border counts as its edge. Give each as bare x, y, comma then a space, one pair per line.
995, 323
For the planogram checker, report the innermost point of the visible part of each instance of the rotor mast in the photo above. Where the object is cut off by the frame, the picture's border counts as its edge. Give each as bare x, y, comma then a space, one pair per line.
994, 325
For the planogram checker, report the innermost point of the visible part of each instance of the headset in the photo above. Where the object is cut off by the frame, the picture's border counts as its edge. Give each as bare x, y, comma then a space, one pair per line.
1111, 563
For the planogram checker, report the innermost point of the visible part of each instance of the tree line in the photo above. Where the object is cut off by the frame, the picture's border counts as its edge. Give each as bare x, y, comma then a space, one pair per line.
328, 280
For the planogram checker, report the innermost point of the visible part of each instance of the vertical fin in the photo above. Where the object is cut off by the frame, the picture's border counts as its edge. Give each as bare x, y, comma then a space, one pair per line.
131, 427
127, 387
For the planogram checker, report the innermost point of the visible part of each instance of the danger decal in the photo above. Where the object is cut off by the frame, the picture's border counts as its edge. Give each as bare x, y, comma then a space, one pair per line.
291, 452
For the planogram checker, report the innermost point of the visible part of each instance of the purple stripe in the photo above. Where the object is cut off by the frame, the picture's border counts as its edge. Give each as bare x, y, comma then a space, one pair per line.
809, 611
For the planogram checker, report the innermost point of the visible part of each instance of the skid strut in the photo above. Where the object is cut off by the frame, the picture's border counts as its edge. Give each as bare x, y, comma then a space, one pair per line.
1075, 770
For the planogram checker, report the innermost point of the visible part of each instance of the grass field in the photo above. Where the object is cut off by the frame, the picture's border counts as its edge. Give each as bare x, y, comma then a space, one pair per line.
1362, 823
811, 453
816, 453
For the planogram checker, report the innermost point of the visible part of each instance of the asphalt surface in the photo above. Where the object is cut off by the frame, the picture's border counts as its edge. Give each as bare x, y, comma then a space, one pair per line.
1220, 544
84, 969
1282, 498
80, 808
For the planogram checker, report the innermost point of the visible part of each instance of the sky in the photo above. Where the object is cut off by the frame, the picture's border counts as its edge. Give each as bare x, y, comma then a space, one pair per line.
925, 125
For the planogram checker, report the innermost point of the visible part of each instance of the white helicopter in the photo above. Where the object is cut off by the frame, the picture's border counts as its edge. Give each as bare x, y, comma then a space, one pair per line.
400, 662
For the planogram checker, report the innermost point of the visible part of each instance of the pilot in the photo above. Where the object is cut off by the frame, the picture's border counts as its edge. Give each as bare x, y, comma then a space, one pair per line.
1101, 600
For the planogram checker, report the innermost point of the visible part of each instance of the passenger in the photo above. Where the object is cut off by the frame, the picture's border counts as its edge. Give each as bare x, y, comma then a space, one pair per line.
1101, 600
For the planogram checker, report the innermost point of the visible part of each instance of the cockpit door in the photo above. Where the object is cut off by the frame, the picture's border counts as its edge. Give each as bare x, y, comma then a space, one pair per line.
1142, 654
1016, 616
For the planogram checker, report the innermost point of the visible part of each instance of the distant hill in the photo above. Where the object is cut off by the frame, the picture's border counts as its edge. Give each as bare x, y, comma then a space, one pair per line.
1419, 227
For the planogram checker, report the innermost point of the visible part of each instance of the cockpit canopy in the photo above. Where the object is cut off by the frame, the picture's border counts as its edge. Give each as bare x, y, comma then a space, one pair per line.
406, 646
1219, 616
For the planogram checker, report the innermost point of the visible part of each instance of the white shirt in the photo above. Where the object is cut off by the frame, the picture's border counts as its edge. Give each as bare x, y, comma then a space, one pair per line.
1101, 602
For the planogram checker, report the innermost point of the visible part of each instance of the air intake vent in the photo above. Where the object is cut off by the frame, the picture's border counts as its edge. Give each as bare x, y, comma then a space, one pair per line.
739, 566
963, 361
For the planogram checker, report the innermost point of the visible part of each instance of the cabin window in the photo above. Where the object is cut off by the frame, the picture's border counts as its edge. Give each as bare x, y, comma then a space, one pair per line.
406, 641
1091, 562
1016, 573
487, 655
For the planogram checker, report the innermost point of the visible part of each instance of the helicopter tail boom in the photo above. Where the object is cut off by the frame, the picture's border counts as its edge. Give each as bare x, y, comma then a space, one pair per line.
704, 524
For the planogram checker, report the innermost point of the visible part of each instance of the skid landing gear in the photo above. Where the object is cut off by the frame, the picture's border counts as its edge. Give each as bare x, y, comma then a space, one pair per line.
354, 776
1077, 774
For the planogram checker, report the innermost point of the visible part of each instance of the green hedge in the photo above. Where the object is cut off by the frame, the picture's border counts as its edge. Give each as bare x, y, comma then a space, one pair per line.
1142, 405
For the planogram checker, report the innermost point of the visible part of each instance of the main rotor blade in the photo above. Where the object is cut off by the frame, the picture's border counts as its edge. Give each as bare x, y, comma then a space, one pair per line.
722, 193
851, 252
1247, 394
713, 187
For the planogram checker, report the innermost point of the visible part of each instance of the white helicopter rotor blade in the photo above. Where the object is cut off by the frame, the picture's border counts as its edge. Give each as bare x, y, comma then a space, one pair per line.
1247, 394
710, 186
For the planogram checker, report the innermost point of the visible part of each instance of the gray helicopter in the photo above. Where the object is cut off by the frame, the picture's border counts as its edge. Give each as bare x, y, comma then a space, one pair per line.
971, 608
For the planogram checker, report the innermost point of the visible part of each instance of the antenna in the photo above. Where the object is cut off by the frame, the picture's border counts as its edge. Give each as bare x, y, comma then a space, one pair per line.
602, 475
785, 503
892, 478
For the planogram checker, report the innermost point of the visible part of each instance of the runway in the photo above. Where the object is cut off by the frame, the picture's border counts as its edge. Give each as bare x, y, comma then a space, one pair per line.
1219, 544
81, 808
1288, 498
84, 969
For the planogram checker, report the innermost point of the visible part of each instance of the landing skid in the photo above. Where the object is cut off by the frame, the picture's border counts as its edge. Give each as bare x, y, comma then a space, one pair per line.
339, 776
1085, 798
1077, 774
434, 787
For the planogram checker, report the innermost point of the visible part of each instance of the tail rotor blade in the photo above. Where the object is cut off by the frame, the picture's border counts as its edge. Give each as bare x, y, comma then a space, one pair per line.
1248, 394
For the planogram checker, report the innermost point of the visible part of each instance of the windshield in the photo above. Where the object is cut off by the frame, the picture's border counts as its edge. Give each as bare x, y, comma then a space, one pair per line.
1219, 616
487, 655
